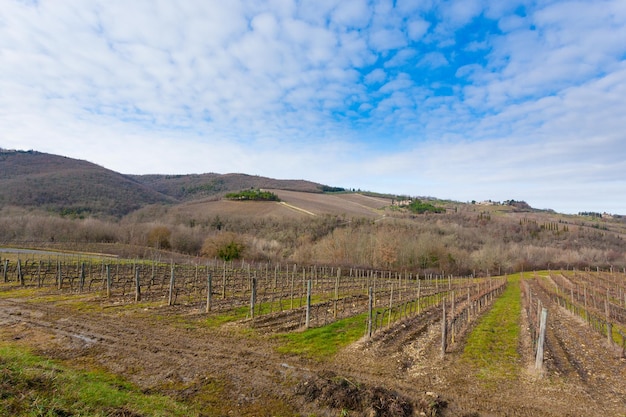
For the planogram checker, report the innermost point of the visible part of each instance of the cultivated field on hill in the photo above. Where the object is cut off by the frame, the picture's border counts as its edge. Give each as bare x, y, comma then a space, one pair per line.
293, 205
238, 338
347, 205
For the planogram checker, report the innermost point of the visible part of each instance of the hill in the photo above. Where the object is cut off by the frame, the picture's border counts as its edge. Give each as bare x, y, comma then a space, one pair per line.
195, 186
79, 188
70, 186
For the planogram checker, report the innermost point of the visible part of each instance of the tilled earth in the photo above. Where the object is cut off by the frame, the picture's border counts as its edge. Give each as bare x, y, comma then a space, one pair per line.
400, 371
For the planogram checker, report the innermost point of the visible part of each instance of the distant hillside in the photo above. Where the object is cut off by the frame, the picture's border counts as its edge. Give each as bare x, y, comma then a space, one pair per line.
191, 187
79, 188
69, 186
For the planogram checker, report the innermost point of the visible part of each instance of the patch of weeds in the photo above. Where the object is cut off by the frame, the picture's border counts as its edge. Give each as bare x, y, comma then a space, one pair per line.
215, 397
32, 385
12, 290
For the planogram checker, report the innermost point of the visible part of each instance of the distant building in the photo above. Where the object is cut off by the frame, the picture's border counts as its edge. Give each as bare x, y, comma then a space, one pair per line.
401, 202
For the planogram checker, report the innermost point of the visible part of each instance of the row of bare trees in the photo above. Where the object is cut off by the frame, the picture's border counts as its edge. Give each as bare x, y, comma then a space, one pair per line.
460, 243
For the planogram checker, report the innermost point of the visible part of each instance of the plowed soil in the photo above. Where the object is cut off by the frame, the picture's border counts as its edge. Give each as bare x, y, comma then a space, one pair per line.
400, 371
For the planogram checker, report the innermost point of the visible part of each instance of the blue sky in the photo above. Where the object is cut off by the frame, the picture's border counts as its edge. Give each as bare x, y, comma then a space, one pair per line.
466, 100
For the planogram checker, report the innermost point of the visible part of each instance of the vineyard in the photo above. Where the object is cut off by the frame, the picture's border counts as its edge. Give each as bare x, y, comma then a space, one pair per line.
270, 298
246, 338
598, 299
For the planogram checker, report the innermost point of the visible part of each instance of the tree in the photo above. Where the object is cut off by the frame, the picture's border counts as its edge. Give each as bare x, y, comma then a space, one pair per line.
254, 195
159, 237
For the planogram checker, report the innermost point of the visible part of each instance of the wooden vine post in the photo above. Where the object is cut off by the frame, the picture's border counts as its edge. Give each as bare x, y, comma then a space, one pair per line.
20, 275
609, 326
170, 298
336, 293
585, 295
303, 292
224, 282
452, 317
419, 293
82, 277
39, 280
108, 280
292, 285
209, 291
59, 275
444, 331
153, 274
370, 306
307, 321
390, 306
253, 297
542, 338
5, 270
137, 286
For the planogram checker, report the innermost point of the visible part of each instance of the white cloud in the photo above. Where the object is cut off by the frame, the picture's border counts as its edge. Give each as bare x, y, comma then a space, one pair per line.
354, 13
385, 39
433, 60
401, 58
262, 86
513, 22
417, 29
376, 76
316, 11
459, 13
401, 82
265, 25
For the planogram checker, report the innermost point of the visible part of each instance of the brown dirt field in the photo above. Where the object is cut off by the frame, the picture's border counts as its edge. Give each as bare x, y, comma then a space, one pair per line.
258, 209
398, 372
293, 204
349, 205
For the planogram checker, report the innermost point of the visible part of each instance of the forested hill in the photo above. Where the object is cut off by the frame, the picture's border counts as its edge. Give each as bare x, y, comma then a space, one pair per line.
80, 188
69, 186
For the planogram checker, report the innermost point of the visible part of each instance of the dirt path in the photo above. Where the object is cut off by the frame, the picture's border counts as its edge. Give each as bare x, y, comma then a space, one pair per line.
154, 356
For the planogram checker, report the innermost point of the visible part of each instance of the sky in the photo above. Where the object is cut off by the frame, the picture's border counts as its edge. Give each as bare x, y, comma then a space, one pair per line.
462, 100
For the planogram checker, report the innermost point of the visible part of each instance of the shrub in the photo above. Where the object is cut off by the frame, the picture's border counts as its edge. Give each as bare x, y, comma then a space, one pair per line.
421, 208
184, 240
226, 246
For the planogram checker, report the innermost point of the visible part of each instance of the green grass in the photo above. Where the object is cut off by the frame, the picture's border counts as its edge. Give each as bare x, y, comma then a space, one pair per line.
492, 346
34, 386
323, 342
216, 320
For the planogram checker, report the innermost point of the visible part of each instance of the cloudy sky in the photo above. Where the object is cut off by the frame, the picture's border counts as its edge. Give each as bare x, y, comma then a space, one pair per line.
466, 100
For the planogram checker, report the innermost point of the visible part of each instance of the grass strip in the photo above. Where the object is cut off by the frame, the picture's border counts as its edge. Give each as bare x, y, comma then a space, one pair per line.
323, 342
34, 386
492, 347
